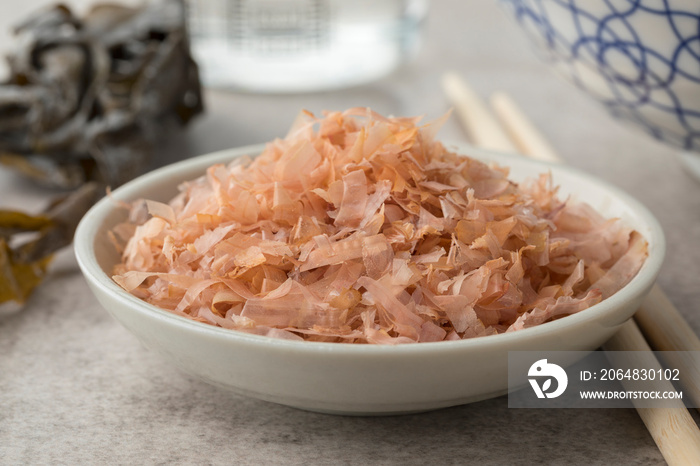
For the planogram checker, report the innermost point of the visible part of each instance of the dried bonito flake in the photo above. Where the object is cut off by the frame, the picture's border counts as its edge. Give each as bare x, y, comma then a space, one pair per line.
359, 228
87, 98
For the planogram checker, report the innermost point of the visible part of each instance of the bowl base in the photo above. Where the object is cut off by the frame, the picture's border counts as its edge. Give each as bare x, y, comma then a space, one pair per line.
341, 408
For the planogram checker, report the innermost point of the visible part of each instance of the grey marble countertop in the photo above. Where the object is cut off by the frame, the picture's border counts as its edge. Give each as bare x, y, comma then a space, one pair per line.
76, 388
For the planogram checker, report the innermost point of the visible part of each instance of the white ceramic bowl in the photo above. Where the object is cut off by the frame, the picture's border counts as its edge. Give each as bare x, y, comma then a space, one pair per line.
356, 379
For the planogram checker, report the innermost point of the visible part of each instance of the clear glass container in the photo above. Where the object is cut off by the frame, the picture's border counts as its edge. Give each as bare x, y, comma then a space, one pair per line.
301, 45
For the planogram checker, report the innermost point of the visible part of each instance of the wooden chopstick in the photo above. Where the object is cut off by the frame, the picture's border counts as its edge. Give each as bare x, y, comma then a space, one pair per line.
528, 140
479, 123
673, 430
672, 427
667, 330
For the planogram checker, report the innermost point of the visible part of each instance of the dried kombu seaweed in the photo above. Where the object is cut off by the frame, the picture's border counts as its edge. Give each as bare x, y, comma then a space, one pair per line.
87, 98
23, 260
86, 102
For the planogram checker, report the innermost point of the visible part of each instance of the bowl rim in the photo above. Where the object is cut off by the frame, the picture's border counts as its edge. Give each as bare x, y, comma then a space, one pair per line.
84, 247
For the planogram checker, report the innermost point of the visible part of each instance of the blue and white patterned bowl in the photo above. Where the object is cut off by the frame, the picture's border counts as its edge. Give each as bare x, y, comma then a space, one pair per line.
640, 58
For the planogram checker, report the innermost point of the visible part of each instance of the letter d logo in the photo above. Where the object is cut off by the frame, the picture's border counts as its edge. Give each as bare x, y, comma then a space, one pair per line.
542, 368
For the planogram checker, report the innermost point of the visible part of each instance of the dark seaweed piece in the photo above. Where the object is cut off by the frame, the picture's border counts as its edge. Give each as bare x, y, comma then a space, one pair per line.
88, 99
23, 262
18, 279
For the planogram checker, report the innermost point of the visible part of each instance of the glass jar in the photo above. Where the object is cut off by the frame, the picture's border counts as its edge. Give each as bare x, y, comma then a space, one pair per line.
301, 45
